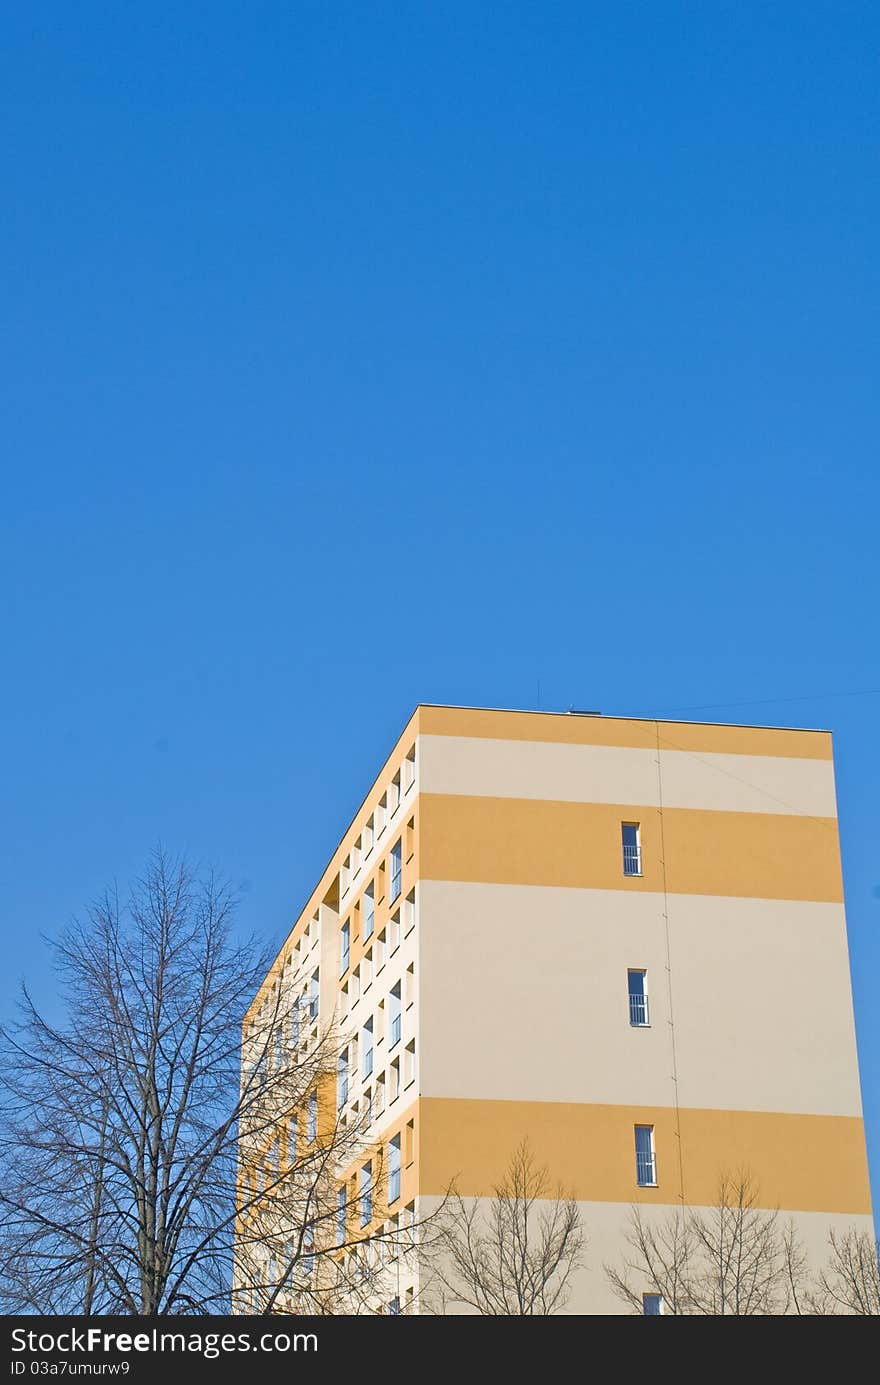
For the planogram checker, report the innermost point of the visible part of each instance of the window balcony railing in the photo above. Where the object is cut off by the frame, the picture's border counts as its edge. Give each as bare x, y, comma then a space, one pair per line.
632, 860
638, 1011
646, 1169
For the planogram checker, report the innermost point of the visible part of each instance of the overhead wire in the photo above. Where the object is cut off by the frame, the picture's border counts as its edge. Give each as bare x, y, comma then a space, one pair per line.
765, 702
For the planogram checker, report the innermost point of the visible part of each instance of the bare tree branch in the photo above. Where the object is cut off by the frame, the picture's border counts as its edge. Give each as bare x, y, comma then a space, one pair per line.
515, 1257
732, 1258
850, 1283
145, 1168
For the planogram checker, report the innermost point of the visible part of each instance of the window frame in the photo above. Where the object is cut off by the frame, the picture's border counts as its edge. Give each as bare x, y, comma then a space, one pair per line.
646, 1161
365, 1193
639, 1006
395, 874
636, 848
394, 1169
368, 1050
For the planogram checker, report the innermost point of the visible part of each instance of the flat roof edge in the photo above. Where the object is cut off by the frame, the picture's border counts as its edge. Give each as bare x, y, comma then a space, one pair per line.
669, 721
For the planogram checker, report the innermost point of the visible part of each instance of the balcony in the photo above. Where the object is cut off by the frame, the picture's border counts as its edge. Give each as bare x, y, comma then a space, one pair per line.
646, 1169
638, 1011
632, 859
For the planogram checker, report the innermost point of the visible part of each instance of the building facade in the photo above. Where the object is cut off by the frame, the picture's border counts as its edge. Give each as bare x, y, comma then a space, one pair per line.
622, 940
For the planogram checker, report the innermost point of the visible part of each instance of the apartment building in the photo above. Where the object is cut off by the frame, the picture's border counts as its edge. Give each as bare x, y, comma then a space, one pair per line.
623, 940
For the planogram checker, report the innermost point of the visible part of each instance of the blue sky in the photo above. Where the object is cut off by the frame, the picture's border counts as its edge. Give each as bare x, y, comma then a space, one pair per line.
358, 355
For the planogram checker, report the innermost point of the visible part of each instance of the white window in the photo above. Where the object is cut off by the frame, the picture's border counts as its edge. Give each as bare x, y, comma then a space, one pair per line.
396, 862
308, 1249
369, 911
366, 1182
344, 947
394, 1307
632, 848
356, 858
395, 793
646, 1160
355, 984
409, 1063
380, 1094
312, 1118
367, 1064
394, 1013
395, 1079
394, 1169
637, 985
409, 913
314, 995
342, 1215
652, 1304
292, 1137
342, 1079
394, 931
368, 837
380, 951
345, 876
409, 769
381, 815
409, 985
367, 969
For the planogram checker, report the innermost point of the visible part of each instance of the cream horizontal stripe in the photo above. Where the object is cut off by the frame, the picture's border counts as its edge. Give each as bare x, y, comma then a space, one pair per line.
536, 977
605, 1225
622, 774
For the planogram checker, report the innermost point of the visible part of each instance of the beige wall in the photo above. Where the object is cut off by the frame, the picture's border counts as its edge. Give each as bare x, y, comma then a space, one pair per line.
622, 774
524, 996
605, 1225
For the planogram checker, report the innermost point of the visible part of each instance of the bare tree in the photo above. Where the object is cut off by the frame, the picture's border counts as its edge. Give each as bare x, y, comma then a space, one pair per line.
144, 1168
514, 1257
733, 1258
659, 1259
850, 1283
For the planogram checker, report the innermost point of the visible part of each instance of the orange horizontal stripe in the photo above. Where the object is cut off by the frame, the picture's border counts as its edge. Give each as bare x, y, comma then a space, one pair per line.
800, 1162
578, 845
580, 730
